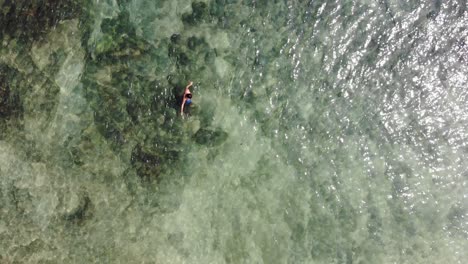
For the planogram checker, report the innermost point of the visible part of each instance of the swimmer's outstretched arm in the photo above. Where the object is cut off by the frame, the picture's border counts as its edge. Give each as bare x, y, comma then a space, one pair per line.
182, 108
187, 88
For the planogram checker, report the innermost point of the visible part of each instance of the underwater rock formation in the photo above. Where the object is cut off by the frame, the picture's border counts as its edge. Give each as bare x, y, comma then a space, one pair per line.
133, 106
10, 104
30, 19
210, 137
81, 211
200, 13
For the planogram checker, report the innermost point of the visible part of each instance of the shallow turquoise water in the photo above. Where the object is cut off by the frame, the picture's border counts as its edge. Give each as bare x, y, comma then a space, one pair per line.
321, 132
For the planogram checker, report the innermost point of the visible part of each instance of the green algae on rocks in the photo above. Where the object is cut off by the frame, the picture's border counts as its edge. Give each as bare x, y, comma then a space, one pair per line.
10, 104
31, 19
210, 137
133, 104
200, 13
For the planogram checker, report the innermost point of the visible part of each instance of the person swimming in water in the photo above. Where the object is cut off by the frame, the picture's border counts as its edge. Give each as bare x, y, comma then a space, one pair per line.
187, 99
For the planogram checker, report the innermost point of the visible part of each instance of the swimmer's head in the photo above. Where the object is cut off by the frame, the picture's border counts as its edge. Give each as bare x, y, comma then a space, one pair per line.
188, 95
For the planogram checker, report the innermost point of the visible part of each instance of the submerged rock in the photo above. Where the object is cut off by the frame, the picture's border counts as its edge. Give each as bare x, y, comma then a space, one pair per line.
81, 210
217, 8
175, 38
10, 104
26, 19
200, 13
126, 84
25, 94
194, 42
210, 137
147, 165
194, 55
119, 39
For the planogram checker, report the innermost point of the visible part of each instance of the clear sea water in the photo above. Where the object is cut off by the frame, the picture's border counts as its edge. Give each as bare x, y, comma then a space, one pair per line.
321, 131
